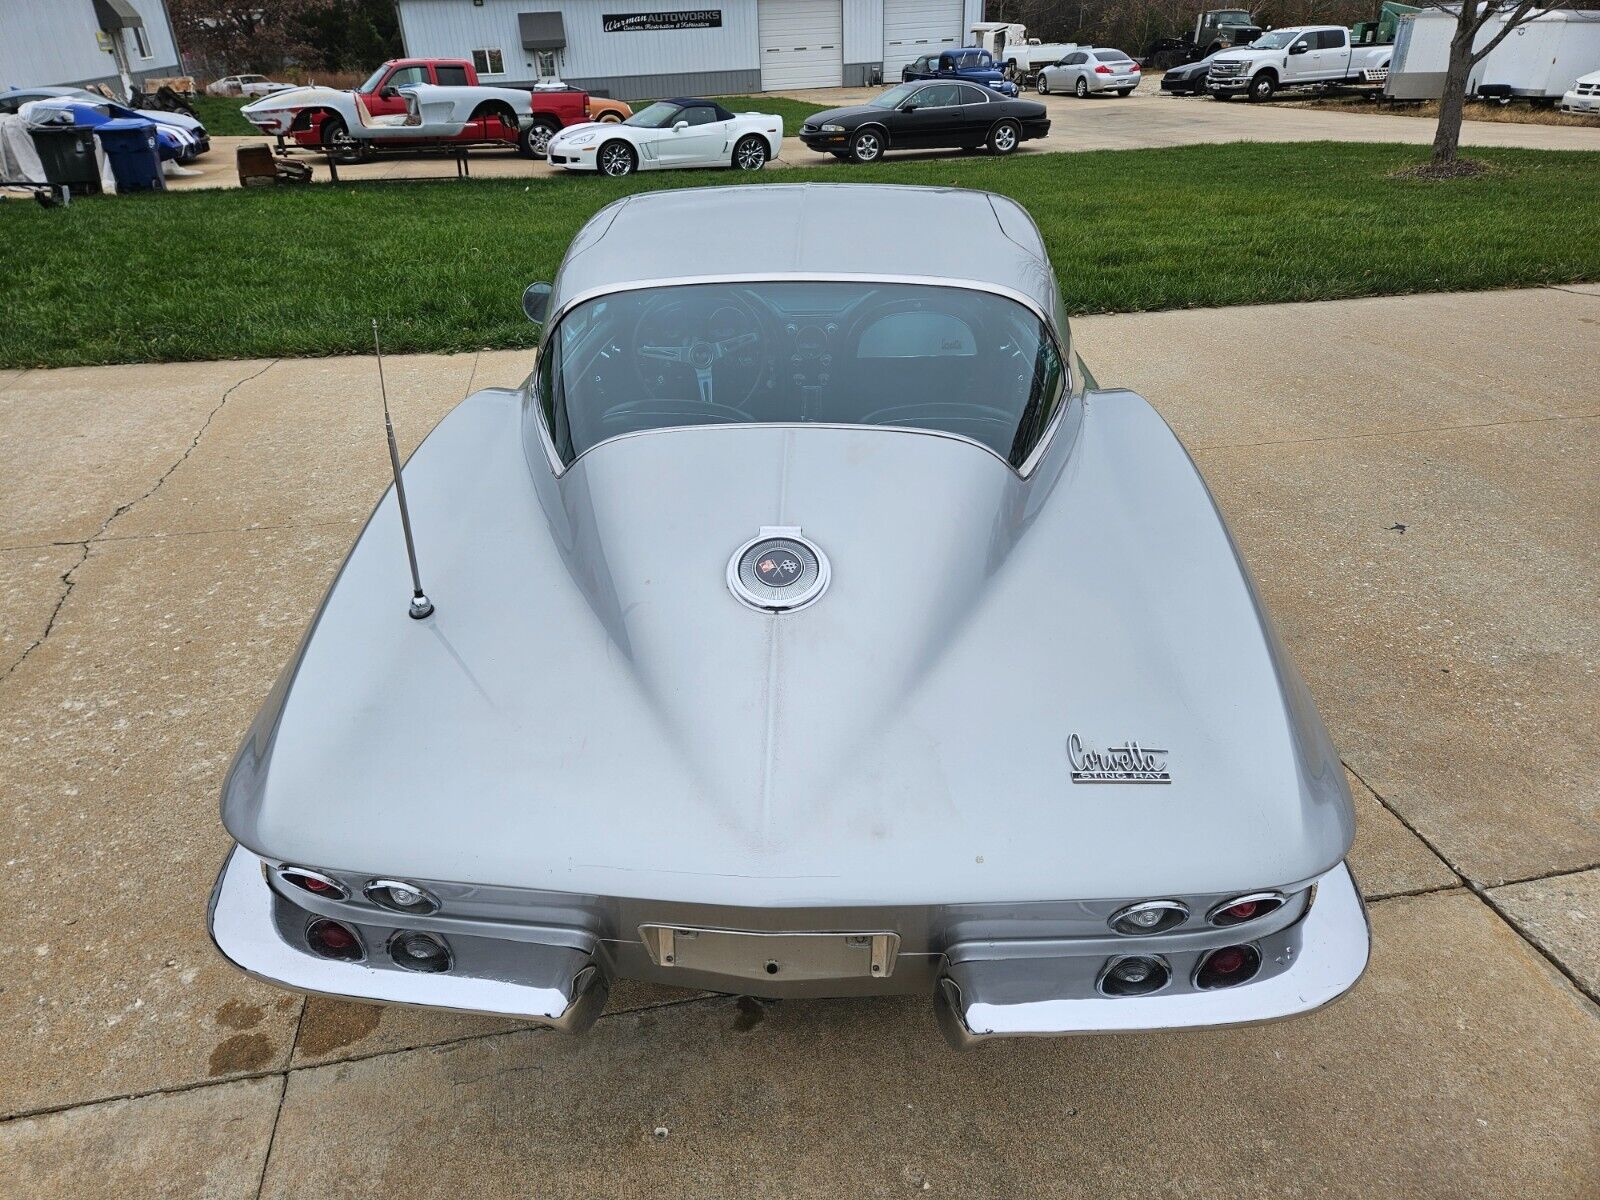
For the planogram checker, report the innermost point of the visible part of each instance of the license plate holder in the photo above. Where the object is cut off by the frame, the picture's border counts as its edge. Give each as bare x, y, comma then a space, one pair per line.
783, 956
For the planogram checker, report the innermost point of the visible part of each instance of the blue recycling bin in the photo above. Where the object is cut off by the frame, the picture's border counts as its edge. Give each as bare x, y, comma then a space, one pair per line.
134, 154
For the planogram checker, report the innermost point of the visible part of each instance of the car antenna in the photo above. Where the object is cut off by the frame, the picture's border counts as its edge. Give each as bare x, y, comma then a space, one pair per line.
421, 606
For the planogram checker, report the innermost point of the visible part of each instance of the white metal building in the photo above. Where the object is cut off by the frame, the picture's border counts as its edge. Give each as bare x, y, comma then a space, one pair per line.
635, 49
78, 42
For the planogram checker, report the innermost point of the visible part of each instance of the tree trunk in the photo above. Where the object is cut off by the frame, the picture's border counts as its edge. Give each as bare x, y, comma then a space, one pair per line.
1447, 136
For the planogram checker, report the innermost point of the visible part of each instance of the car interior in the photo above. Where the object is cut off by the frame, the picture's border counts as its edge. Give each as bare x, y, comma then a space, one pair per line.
946, 359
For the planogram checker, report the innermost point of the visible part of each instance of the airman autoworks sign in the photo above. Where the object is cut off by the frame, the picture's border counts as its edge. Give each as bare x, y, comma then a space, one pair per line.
693, 18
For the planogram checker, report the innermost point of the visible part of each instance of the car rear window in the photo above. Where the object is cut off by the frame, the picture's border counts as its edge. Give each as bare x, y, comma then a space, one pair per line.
1107, 56
927, 357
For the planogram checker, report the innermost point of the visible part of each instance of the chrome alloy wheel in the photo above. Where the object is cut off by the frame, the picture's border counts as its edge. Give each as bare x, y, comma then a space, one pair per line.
750, 154
616, 160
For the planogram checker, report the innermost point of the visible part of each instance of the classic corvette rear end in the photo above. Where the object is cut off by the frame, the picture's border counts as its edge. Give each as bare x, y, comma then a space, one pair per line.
806, 625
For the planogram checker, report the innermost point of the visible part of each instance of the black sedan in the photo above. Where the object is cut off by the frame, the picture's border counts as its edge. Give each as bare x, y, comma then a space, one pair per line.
923, 116
1188, 79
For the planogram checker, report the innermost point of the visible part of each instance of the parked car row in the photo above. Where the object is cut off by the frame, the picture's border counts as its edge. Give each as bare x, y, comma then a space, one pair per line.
415, 102
182, 138
920, 114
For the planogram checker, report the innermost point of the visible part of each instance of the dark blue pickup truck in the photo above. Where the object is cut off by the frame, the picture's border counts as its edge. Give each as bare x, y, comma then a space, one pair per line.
969, 63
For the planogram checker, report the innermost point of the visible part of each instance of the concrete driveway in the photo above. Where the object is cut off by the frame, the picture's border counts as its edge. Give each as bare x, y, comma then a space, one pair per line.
1143, 120
1415, 483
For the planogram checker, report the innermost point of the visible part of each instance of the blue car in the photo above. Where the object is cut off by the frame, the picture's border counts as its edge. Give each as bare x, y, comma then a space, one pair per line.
182, 137
968, 63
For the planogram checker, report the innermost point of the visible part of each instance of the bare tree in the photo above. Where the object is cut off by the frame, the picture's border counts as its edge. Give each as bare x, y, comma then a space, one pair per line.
234, 35
1472, 16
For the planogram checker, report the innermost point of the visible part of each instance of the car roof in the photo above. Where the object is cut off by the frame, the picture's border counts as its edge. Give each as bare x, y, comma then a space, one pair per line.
811, 230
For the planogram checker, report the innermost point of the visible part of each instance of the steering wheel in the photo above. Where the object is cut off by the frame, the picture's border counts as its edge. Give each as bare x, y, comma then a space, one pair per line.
648, 414
682, 333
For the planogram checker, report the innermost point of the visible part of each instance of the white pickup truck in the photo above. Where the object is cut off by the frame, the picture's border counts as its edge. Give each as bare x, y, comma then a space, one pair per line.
1304, 56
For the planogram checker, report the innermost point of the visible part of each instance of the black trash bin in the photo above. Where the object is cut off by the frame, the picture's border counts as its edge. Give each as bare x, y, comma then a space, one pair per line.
134, 153
67, 152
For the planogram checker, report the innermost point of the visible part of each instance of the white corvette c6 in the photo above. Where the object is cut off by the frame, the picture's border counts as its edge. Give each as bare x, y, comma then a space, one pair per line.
671, 133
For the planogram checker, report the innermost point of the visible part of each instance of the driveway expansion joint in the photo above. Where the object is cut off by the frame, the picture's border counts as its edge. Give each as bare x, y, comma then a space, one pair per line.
1482, 890
293, 1068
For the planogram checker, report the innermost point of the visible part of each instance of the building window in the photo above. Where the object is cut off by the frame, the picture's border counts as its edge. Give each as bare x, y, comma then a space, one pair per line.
488, 62
142, 41
546, 60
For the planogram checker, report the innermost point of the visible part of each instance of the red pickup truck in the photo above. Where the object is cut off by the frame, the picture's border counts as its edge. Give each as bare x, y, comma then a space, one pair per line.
553, 108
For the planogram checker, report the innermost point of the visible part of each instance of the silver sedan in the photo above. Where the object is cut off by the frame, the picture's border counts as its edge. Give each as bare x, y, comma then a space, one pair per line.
1087, 71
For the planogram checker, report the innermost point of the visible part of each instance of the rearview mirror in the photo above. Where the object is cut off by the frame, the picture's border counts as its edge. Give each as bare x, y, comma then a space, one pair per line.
1299, 48
389, 93
535, 302
680, 126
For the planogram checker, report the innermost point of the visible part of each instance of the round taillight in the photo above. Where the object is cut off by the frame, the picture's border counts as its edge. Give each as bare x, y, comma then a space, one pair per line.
334, 939
1245, 908
315, 882
1134, 975
1149, 916
398, 896
1227, 967
419, 952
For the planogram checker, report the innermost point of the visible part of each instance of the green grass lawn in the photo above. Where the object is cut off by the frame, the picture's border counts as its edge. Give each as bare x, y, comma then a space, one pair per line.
793, 112
221, 117
298, 271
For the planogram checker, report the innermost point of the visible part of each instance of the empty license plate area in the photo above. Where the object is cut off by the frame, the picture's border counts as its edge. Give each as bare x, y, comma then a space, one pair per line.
749, 955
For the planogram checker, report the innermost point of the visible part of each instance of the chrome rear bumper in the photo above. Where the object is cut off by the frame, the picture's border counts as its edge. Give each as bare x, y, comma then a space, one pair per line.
557, 985
988, 978
1316, 960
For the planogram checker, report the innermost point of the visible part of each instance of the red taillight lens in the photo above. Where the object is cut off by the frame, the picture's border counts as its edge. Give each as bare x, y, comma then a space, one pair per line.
333, 940
314, 882
1227, 967
1135, 68
1245, 908
1102, 69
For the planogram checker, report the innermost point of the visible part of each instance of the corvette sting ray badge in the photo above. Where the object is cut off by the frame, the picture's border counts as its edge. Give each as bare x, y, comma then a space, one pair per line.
1127, 763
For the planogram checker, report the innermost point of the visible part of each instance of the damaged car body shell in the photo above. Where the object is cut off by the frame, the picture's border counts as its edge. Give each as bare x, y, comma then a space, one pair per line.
1033, 699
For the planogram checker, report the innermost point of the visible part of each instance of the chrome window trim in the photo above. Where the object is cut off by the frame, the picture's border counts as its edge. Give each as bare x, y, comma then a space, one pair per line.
1046, 321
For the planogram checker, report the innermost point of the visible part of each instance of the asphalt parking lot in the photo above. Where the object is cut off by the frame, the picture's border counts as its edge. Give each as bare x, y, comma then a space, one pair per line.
1143, 120
1414, 484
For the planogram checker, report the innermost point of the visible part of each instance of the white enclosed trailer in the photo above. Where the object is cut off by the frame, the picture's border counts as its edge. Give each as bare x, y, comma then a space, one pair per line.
1540, 60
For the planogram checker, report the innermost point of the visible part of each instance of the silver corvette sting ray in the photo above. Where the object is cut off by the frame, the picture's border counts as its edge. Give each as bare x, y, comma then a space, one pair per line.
808, 624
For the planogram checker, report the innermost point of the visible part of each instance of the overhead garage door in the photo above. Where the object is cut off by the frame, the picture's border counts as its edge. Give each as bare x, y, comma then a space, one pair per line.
912, 28
802, 44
